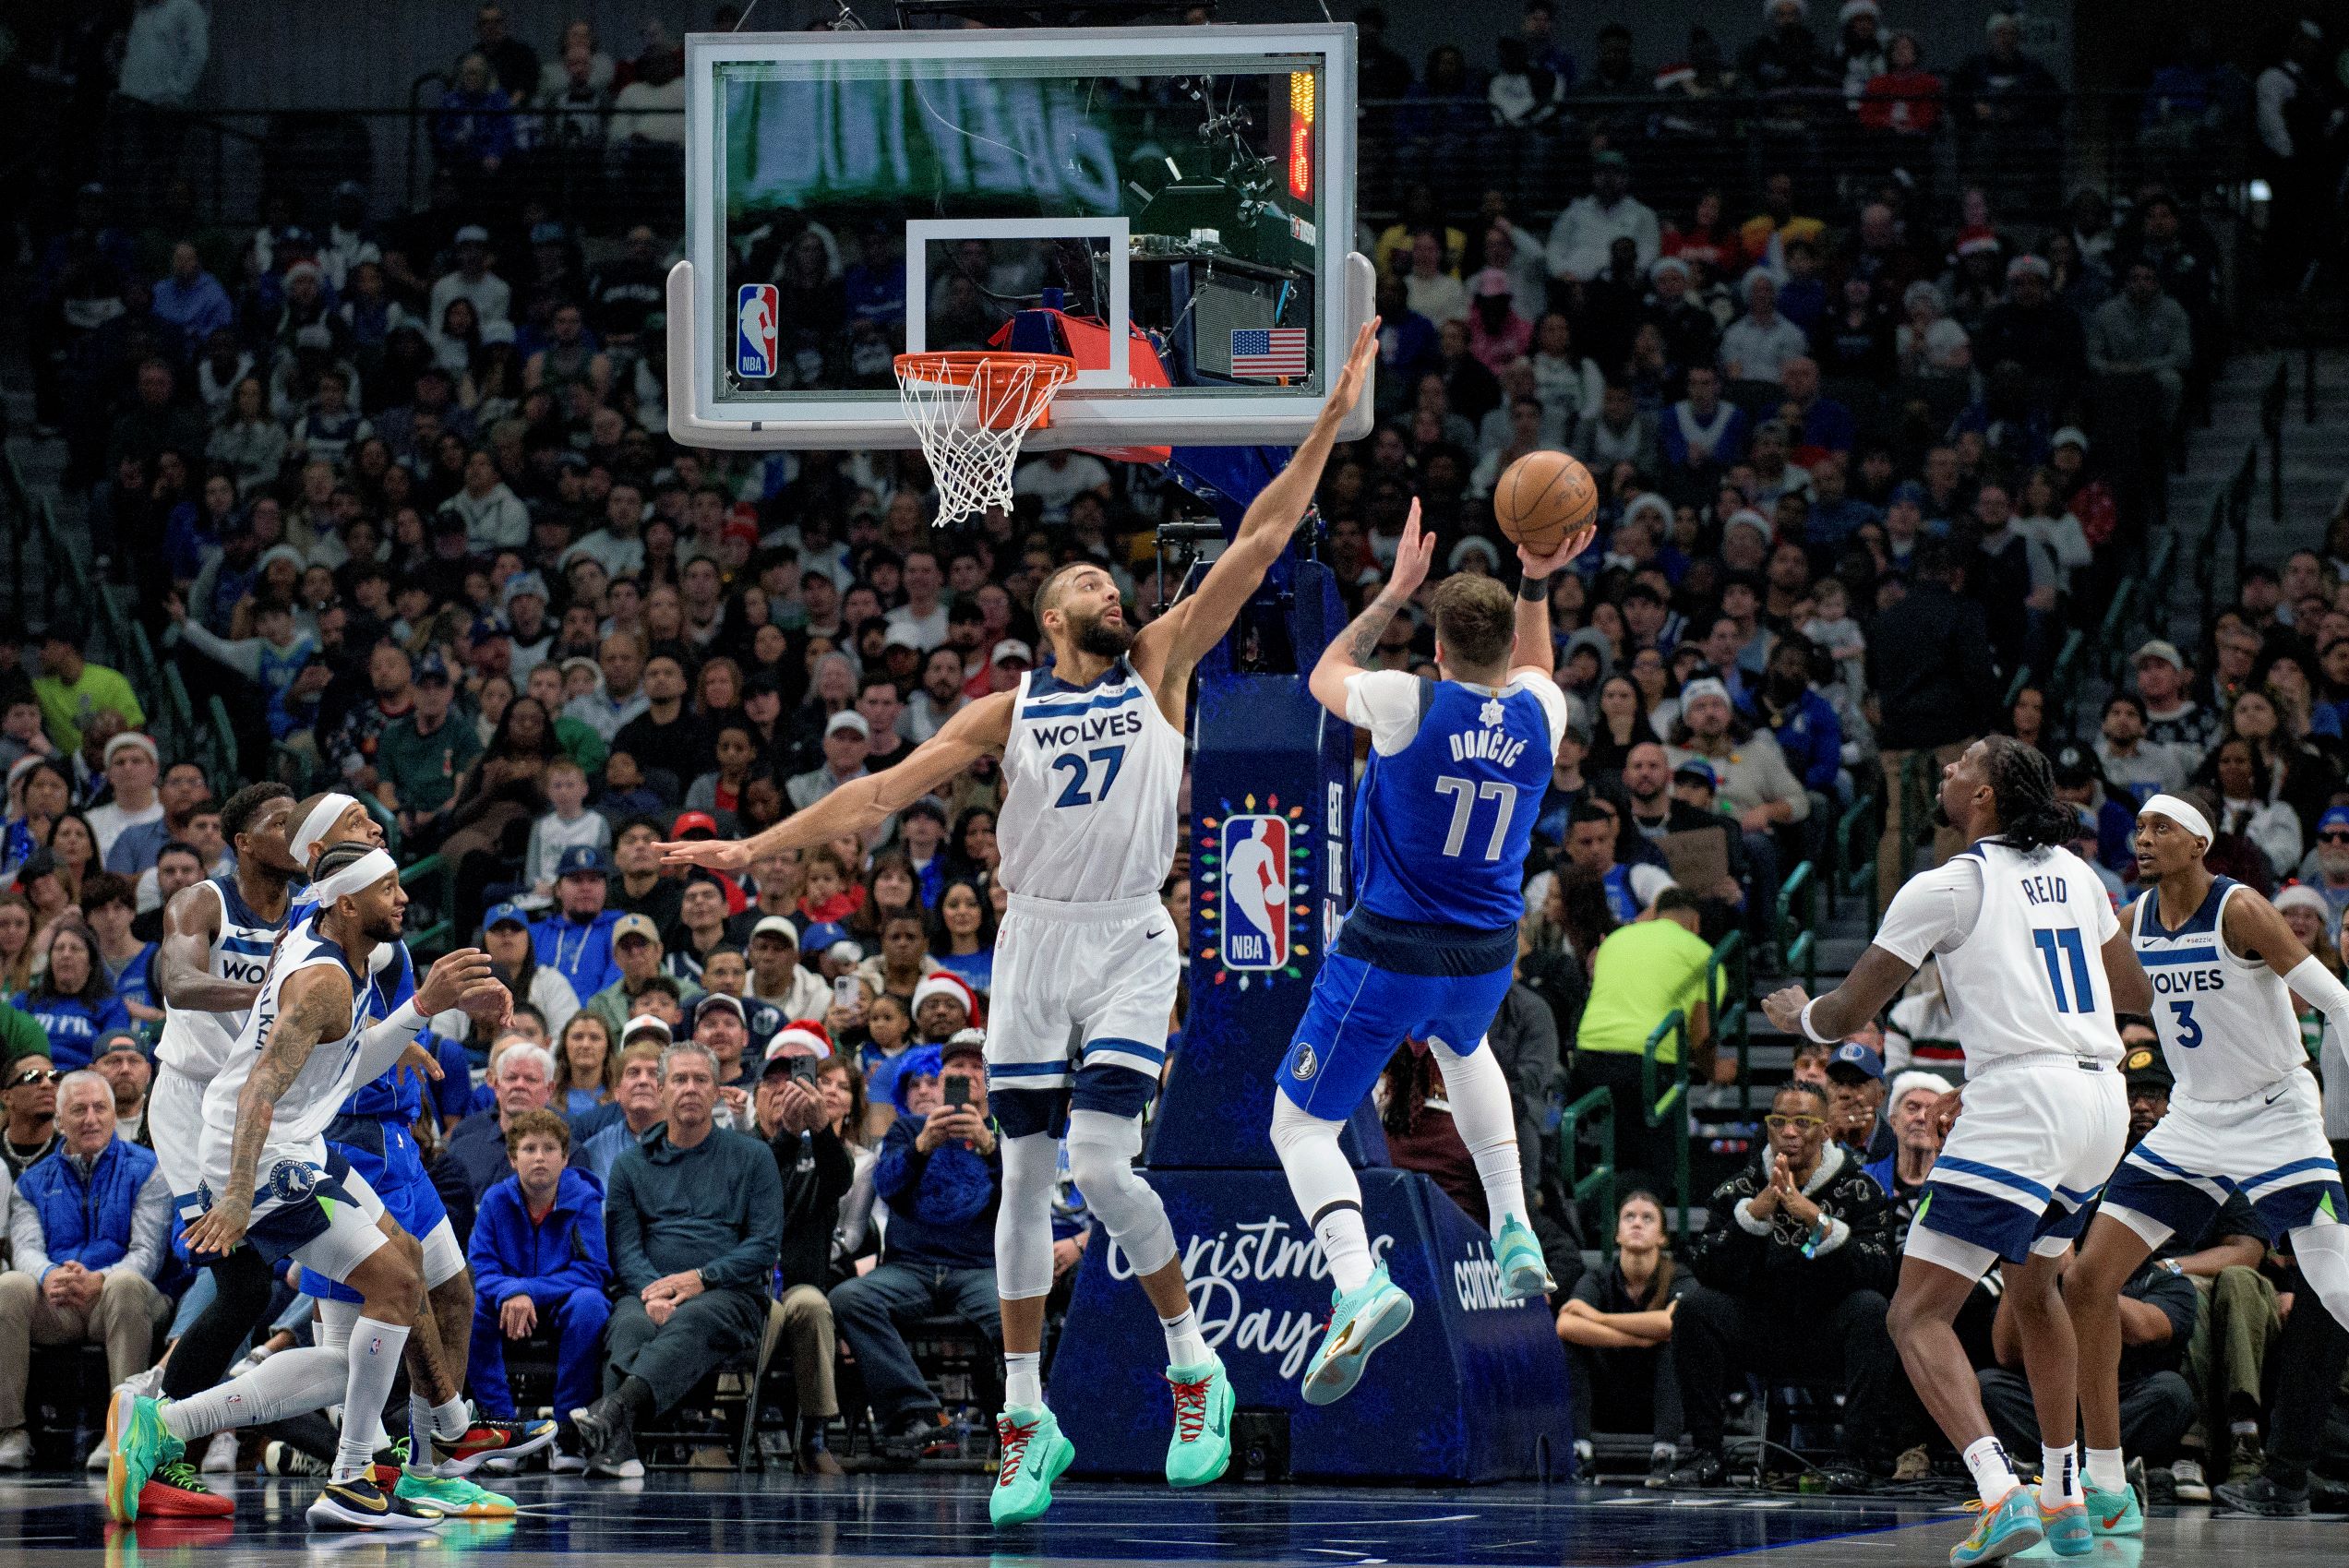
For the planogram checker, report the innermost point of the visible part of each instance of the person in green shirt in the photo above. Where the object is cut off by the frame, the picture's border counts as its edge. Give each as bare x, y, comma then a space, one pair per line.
421, 760
71, 689
20, 1034
1641, 972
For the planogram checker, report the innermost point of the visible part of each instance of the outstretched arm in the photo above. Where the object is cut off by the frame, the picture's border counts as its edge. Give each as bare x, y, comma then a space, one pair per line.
1874, 981
182, 964
1351, 651
1180, 638
1535, 651
862, 805
317, 1006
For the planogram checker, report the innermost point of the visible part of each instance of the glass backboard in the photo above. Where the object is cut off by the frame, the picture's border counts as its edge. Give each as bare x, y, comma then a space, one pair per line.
852, 196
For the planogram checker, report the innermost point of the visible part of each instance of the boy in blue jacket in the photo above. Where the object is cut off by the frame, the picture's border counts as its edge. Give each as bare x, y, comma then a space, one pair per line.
538, 1255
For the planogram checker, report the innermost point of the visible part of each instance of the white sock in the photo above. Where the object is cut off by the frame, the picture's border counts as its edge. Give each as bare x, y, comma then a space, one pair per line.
1024, 1378
1185, 1346
1327, 1192
2107, 1470
376, 1346
2058, 1476
428, 1421
292, 1383
2243, 1429
1488, 1125
1993, 1477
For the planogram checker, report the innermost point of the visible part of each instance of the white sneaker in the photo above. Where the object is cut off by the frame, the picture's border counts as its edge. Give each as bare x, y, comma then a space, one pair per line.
143, 1385
564, 1464
16, 1450
2191, 1487
220, 1455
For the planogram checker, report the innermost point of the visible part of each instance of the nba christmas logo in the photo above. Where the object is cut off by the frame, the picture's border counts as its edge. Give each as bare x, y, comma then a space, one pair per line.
755, 307
1255, 876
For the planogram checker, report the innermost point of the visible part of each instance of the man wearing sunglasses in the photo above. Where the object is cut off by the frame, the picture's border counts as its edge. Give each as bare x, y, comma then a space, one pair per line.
1794, 1269
30, 1097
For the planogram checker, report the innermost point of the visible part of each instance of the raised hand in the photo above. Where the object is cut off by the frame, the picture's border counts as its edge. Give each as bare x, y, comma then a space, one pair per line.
718, 855
1413, 557
1358, 360
1556, 560
451, 976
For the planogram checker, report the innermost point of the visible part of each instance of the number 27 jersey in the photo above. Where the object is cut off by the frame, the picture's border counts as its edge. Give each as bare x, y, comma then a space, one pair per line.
1446, 811
1091, 775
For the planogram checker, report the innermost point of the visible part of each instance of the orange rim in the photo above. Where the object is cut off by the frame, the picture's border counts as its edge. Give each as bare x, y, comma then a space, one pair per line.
1009, 384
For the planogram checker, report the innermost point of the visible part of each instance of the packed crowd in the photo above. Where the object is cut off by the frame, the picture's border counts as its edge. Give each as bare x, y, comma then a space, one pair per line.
399, 491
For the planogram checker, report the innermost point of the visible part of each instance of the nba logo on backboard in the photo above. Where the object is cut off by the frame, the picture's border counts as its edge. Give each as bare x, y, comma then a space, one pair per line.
1256, 917
754, 331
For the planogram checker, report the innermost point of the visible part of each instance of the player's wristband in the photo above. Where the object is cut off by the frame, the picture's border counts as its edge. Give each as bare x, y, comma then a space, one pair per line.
1809, 1033
1532, 588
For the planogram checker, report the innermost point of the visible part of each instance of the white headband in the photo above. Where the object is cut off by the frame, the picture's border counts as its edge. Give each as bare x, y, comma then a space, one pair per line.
355, 878
323, 816
2181, 812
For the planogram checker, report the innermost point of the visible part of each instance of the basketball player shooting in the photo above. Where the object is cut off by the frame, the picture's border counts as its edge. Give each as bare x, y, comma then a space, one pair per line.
1087, 962
2014, 918
1441, 823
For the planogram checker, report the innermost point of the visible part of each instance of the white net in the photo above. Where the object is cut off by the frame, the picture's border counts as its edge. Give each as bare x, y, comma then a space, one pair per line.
972, 412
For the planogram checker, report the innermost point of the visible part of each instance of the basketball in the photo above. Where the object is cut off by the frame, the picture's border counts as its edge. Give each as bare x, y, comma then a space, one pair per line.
1542, 498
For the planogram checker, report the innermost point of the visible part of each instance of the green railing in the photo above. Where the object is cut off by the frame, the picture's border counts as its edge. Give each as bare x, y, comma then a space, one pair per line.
1857, 835
1595, 1112
1798, 910
1729, 981
1673, 1102
440, 934
224, 738
2062, 681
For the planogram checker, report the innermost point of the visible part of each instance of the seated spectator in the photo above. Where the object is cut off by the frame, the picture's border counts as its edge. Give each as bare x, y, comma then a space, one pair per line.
576, 939
817, 1168
1593, 834
586, 1068
1916, 1141
721, 1027
942, 1175
571, 825
539, 1267
1758, 344
777, 977
610, 1130
694, 1223
1752, 781
965, 942
1855, 1098
131, 768
1703, 432
1792, 1267
2141, 331
522, 1080
87, 1234
72, 999
1618, 1330
109, 907
636, 950
30, 1096
2137, 767
944, 1005
122, 1062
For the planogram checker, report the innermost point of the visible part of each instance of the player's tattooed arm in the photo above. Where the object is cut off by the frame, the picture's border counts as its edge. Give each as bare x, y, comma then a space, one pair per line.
315, 1005
1352, 651
183, 961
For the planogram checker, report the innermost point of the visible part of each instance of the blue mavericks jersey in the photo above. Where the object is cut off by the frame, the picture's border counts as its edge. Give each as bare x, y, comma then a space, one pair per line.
1446, 811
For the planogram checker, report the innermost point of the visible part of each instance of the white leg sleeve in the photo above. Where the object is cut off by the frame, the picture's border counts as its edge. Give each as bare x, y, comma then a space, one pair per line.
291, 1383
1326, 1189
1023, 1222
1102, 1149
1487, 1123
2322, 1251
335, 1319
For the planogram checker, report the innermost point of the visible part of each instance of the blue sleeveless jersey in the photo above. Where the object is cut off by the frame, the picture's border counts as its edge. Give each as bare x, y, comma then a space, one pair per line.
1442, 823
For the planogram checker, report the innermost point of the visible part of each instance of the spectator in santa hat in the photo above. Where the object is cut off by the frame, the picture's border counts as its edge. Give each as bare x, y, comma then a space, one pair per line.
944, 1004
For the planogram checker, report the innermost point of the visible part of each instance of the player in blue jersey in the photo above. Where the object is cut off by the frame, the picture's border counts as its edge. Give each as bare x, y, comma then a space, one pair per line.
371, 1132
1441, 821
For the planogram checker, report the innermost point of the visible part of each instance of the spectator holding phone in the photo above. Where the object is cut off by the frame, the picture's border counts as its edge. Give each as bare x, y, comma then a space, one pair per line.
818, 1168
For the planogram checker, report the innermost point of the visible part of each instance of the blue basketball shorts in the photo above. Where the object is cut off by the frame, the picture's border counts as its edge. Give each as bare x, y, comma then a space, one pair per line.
2269, 1146
385, 1155
1359, 1014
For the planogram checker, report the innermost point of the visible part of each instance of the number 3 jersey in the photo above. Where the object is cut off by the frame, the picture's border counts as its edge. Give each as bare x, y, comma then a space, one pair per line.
1091, 775
2019, 933
1444, 813
2225, 1021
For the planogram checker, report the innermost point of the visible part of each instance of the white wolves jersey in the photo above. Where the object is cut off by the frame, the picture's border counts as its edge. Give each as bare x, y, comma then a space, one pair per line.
2226, 1023
317, 1091
196, 1043
2020, 934
1090, 778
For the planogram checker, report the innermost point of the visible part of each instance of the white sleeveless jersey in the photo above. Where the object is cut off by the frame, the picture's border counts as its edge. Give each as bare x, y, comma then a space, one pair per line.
196, 1044
2226, 1021
2029, 979
1090, 778
317, 1093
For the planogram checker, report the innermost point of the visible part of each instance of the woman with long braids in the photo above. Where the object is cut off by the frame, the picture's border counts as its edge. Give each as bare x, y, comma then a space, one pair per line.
2034, 964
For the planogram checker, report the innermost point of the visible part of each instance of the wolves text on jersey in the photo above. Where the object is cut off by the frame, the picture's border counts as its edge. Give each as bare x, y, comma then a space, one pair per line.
1076, 732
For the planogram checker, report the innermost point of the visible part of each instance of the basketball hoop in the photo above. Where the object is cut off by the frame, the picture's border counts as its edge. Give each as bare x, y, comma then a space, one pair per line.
972, 411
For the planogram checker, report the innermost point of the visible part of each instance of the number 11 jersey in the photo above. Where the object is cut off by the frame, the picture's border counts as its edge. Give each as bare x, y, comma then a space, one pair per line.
1091, 775
1446, 811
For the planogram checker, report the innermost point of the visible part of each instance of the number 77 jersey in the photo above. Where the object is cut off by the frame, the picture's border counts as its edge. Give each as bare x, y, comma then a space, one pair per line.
1091, 775
1446, 811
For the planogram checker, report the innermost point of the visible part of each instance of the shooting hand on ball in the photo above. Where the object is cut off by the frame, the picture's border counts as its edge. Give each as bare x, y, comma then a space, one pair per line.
1540, 566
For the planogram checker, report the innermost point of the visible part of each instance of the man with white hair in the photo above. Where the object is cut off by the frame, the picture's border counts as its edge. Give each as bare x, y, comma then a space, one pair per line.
87, 1227
1916, 1141
522, 1080
2245, 1117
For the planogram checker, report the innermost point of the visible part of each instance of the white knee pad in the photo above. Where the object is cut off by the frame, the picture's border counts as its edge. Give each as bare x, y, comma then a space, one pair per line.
1023, 1222
1101, 1153
1319, 1173
2322, 1251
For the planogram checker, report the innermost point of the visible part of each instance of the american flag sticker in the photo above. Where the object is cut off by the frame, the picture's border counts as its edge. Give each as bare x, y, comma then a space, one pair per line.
1268, 350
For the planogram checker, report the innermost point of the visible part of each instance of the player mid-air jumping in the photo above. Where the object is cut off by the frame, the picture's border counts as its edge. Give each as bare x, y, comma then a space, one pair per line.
2033, 964
1086, 962
2245, 1118
1442, 824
